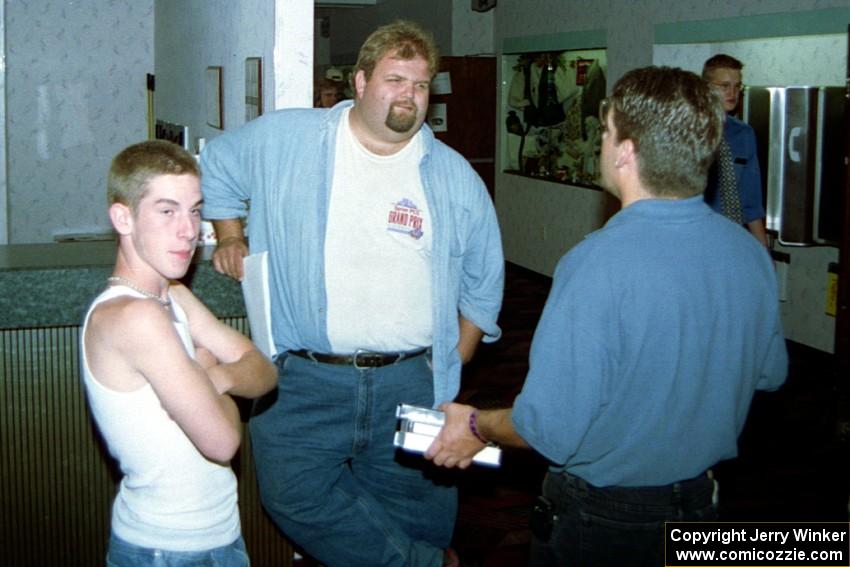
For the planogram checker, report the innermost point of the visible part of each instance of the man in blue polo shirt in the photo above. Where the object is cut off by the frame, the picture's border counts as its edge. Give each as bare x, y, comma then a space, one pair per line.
723, 74
658, 329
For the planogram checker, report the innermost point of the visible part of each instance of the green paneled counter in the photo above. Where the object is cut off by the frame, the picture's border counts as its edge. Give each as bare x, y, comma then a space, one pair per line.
46, 285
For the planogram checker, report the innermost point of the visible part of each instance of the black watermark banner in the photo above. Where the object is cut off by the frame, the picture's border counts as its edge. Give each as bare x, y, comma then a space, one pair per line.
757, 544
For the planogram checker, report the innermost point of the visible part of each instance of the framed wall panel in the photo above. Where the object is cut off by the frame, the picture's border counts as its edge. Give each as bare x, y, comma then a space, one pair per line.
253, 88
215, 98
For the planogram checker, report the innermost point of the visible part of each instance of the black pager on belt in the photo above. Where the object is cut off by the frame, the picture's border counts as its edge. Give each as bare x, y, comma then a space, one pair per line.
543, 518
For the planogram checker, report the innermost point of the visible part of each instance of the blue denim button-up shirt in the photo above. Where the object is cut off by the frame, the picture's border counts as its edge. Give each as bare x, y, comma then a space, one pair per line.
278, 171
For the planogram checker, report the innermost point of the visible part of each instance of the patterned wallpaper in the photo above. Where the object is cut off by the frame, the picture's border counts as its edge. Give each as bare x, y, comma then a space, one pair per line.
75, 96
194, 34
472, 32
4, 210
803, 60
541, 221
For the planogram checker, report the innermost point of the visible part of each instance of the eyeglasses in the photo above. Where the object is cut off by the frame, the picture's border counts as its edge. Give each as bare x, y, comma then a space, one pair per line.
726, 87
604, 107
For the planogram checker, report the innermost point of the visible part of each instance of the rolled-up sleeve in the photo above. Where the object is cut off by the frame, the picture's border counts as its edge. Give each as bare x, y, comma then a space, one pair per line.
483, 278
226, 193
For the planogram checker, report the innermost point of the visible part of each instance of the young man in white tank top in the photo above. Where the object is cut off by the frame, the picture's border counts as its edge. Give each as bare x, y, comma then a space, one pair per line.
160, 369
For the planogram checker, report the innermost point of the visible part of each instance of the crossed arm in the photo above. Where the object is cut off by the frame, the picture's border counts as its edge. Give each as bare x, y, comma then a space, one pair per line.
132, 342
240, 368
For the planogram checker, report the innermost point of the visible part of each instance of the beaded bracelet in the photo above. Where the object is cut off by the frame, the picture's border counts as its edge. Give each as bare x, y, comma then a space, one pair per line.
473, 427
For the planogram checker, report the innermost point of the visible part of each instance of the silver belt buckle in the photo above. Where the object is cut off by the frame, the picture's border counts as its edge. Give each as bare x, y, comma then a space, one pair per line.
357, 353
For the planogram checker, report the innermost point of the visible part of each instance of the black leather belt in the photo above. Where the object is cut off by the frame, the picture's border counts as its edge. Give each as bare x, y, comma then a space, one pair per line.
361, 358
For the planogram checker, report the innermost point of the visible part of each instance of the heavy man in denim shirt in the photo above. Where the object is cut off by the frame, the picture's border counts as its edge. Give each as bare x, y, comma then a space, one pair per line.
386, 270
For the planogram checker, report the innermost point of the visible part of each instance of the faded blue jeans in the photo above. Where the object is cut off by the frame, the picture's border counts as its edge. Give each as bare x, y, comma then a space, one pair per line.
125, 554
330, 477
616, 526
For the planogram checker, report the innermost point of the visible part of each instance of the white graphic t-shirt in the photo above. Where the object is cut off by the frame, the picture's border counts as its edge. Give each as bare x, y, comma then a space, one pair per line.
377, 249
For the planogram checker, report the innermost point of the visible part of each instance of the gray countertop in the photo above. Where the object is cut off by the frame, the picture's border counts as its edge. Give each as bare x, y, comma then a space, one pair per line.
15, 257
46, 285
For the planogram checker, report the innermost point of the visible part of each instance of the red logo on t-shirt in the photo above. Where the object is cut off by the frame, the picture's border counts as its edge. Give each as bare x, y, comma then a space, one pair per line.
405, 217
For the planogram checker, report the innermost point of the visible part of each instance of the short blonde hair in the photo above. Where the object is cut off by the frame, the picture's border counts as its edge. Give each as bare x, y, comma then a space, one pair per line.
402, 39
133, 168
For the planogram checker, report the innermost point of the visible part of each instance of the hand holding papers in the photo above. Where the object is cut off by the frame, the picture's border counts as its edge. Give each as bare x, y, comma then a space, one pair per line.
417, 427
255, 290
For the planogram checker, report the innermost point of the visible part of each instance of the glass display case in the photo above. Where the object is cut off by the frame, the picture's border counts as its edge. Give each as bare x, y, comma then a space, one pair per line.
551, 114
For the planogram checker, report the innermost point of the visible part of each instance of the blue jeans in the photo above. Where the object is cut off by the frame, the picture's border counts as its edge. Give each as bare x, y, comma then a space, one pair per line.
124, 554
616, 526
330, 477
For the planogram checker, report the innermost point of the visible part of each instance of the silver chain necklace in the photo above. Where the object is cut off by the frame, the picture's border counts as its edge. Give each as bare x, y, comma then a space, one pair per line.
166, 303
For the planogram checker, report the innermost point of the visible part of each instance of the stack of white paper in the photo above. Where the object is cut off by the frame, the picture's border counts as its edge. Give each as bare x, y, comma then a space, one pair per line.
417, 427
255, 290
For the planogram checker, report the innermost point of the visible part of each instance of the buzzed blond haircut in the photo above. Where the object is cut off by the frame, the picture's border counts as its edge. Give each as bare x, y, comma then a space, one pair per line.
133, 168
